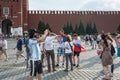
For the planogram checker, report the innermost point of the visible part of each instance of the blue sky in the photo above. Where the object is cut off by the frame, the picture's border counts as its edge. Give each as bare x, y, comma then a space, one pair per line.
74, 5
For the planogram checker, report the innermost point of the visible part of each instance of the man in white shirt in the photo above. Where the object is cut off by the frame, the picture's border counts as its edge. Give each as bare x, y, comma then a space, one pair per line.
50, 52
4, 47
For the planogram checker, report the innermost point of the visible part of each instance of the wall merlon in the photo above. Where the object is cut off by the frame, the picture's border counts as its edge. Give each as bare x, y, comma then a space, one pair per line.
74, 12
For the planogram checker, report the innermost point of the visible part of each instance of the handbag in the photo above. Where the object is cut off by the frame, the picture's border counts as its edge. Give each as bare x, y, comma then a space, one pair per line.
99, 52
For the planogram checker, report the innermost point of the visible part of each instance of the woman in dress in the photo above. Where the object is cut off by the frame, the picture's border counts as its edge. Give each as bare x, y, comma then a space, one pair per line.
106, 56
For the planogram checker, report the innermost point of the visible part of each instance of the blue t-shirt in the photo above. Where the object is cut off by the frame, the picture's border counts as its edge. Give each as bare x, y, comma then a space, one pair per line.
19, 45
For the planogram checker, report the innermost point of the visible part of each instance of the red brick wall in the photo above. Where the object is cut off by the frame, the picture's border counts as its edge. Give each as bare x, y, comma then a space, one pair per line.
107, 21
18, 12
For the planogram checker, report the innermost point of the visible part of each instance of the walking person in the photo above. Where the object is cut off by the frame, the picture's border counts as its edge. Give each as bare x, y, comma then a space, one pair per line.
35, 53
77, 50
117, 39
94, 42
19, 48
50, 52
68, 53
3, 50
106, 56
110, 40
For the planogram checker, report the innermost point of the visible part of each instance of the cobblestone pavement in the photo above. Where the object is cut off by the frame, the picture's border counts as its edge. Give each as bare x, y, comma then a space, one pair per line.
90, 68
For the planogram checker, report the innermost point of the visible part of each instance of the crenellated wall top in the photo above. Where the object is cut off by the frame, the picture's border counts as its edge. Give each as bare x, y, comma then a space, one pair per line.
74, 12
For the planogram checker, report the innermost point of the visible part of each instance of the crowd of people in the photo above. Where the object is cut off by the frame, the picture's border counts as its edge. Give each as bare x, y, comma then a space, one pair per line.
68, 48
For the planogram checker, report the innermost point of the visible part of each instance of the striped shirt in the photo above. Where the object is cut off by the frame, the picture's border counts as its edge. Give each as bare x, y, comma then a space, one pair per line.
34, 50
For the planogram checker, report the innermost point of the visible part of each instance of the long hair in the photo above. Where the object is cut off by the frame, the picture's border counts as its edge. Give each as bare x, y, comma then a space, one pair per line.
109, 38
69, 39
103, 36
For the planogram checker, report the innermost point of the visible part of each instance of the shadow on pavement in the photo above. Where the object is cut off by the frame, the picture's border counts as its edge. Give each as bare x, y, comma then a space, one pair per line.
57, 75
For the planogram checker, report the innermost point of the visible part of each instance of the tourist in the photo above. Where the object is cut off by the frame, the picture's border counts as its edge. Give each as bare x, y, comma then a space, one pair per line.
68, 52
35, 53
60, 51
63, 35
77, 50
3, 49
19, 48
94, 42
106, 57
50, 51
86, 38
110, 40
117, 39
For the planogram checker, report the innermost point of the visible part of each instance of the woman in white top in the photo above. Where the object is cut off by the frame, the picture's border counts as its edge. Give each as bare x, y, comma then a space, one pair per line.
68, 52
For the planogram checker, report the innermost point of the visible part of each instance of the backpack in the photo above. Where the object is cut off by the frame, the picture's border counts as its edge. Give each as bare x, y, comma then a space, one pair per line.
112, 50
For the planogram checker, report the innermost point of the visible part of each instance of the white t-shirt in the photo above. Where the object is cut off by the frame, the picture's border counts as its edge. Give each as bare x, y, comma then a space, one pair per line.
4, 44
99, 37
76, 41
34, 50
49, 42
79, 38
68, 47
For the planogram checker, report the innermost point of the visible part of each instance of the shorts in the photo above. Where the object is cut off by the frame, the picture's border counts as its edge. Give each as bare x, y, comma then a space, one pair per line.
35, 67
4, 51
61, 51
76, 53
19, 53
98, 42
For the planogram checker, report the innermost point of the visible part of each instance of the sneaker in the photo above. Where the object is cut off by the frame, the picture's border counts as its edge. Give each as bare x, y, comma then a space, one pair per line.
71, 69
57, 65
62, 65
66, 70
77, 66
73, 64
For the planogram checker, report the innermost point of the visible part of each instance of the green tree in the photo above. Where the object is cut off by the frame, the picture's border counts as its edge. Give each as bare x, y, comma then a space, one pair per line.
41, 27
81, 28
76, 29
118, 29
70, 28
48, 27
95, 29
89, 29
65, 28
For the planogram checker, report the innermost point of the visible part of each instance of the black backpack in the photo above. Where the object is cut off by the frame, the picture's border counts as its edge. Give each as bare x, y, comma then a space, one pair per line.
112, 50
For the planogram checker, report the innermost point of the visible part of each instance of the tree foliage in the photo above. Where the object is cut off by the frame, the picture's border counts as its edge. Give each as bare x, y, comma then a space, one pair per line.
42, 27
118, 29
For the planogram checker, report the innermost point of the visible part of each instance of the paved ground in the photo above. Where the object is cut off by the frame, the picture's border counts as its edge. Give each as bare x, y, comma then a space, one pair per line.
90, 68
